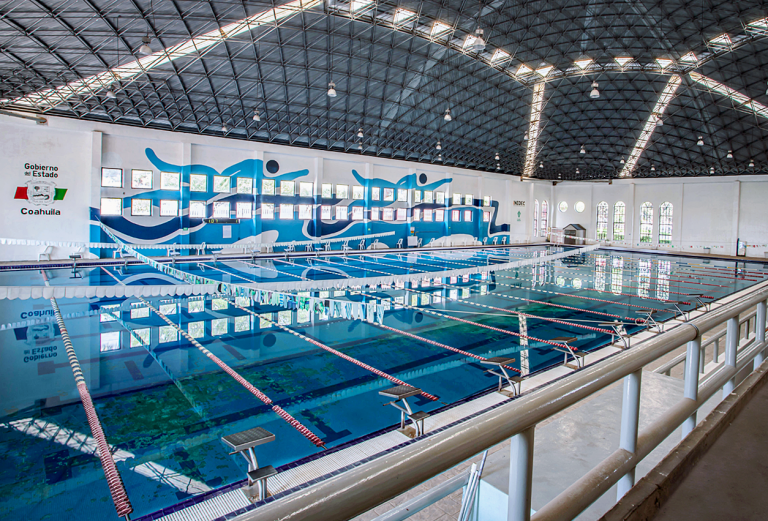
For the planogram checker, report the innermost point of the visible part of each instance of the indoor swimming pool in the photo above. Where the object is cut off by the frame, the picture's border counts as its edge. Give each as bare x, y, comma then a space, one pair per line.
164, 405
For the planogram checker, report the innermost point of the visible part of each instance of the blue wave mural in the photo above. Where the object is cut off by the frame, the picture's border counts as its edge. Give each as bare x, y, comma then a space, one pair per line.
186, 230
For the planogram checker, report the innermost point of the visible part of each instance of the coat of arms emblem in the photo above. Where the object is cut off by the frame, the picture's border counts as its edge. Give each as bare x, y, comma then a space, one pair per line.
41, 193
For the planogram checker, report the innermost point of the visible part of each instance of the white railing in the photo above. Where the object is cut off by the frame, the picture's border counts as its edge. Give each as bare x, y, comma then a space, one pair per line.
366, 486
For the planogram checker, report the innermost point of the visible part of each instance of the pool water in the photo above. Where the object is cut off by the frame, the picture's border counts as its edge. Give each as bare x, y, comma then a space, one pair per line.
164, 405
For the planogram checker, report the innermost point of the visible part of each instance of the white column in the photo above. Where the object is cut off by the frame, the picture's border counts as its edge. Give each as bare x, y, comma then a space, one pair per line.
691, 388
520, 476
630, 415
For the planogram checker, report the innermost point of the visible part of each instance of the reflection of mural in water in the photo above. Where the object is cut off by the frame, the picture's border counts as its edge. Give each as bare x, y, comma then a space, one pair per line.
184, 229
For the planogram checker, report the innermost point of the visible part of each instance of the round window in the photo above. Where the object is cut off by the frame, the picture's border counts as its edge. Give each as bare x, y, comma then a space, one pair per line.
577, 283
563, 206
579, 207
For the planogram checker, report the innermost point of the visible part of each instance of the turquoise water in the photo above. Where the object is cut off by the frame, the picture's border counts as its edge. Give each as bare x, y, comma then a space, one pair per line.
164, 405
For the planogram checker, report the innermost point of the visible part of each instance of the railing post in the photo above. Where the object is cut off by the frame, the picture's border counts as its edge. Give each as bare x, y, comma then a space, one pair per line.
702, 358
693, 351
760, 331
731, 343
630, 414
716, 354
520, 476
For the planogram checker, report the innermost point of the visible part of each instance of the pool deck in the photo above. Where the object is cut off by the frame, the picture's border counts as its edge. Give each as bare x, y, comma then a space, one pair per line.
215, 505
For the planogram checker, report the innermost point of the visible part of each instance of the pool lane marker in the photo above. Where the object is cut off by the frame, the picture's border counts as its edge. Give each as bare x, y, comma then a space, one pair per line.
114, 481
293, 422
334, 351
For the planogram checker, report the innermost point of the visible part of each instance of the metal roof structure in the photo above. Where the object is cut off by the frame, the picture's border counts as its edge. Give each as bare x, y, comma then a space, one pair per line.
397, 66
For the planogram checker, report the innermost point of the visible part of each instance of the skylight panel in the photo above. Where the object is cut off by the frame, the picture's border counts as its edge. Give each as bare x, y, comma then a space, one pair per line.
439, 28
758, 26
544, 70
499, 56
735, 96
404, 15
359, 5
537, 105
623, 60
689, 58
721, 42
583, 63
664, 62
523, 69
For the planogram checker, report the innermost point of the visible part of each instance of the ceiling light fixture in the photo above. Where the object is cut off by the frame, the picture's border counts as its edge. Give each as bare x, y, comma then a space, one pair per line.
439, 157
439, 146
711, 169
659, 121
730, 155
497, 156
595, 93
582, 151
478, 44
622, 161
541, 165
447, 116
653, 168
525, 136
111, 94
224, 128
331, 90
700, 142
360, 132
145, 49
751, 163
498, 166
256, 116
359, 146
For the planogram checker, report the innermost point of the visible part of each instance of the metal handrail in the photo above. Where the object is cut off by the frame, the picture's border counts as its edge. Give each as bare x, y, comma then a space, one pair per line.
365, 486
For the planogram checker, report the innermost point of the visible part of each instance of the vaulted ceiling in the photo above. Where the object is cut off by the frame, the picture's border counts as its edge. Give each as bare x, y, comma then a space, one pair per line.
397, 67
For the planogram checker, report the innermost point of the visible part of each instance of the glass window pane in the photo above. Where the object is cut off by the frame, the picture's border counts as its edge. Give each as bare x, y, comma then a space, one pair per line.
268, 187
358, 192
198, 183
469, 199
417, 196
167, 334
284, 318
389, 214
563, 206
140, 337
440, 215
196, 329
440, 197
112, 177
141, 207
401, 214
416, 214
428, 214
306, 189
111, 206
218, 304
389, 194
468, 216
197, 209
341, 213
242, 323
455, 215
221, 184
265, 320
402, 194
244, 185
244, 210
286, 212
327, 191
141, 179
305, 212
287, 188
486, 200
169, 208
140, 312
221, 210
357, 213
109, 316
168, 309
267, 211
342, 191
196, 306
428, 197
374, 214
110, 341
456, 198
170, 181
486, 217
325, 212
375, 193
219, 326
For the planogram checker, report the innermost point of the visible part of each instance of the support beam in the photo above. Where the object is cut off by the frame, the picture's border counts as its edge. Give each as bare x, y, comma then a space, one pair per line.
650, 125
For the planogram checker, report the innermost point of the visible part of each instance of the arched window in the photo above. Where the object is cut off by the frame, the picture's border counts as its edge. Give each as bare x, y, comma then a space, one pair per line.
646, 222
665, 223
601, 230
619, 218
544, 218
535, 217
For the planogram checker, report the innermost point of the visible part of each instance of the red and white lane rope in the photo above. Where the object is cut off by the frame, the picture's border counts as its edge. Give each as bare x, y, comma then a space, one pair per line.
438, 344
335, 352
293, 422
114, 481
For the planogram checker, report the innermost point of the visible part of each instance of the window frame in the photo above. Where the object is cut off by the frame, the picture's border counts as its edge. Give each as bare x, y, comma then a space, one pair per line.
135, 171
105, 170
646, 222
601, 221
619, 221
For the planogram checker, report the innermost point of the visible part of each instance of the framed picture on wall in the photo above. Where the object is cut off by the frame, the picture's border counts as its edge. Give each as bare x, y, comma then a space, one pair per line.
267, 211
439, 215
486, 200
402, 195
456, 198
221, 210
440, 197
376, 193
402, 215
141, 179
305, 212
141, 207
244, 210
288, 189
469, 199
170, 181
416, 214
197, 209
417, 196
112, 177
486, 217
169, 208
198, 182
374, 214
221, 184
358, 192
306, 189
325, 212
468, 216
111, 206
427, 215
342, 213
389, 194
342, 191
327, 191
357, 213
428, 197
244, 185
455, 216
268, 187
389, 214
286, 212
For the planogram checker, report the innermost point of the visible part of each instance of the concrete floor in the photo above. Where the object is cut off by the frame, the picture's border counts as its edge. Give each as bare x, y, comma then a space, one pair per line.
731, 479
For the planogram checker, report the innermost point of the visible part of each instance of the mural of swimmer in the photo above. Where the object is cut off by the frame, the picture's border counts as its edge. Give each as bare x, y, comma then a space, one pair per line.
260, 203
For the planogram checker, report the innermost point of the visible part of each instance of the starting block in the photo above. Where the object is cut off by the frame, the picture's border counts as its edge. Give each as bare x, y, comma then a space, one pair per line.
578, 356
498, 369
243, 443
400, 394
